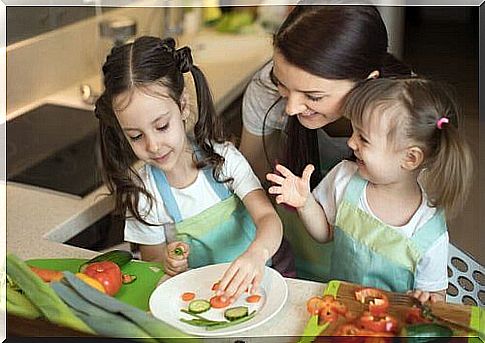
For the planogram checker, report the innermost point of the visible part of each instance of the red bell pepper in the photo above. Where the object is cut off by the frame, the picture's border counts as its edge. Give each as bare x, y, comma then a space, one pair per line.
377, 300
385, 323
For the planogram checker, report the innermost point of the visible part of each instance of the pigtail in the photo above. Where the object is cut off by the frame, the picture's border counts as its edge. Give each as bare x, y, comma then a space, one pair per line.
448, 176
118, 173
208, 128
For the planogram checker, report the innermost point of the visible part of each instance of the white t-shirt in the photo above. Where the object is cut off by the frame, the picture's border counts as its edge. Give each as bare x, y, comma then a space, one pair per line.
191, 200
260, 95
431, 272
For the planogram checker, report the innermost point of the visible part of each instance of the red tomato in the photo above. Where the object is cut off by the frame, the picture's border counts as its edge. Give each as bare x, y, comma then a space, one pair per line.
107, 273
187, 296
216, 302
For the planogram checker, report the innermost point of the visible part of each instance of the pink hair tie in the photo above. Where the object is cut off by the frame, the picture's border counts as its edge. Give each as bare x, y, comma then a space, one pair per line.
441, 121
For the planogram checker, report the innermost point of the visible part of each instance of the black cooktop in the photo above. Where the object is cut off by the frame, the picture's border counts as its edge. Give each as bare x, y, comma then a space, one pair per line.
54, 147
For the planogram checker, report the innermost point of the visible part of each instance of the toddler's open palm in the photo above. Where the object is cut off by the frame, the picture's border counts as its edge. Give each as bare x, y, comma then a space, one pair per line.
291, 189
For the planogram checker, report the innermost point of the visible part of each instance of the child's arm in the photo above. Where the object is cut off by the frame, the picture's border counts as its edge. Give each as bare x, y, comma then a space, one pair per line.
173, 262
295, 191
248, 269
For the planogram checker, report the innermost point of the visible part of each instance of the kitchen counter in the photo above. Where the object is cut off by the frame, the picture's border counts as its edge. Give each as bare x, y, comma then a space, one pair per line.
39, 220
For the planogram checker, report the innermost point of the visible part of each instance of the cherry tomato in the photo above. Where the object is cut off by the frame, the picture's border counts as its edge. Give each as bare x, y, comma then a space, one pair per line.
216, 302
107, 273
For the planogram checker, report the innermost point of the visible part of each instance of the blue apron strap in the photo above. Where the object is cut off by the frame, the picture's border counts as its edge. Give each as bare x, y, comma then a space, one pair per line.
168, 199
219, 188
354, 189
430, 232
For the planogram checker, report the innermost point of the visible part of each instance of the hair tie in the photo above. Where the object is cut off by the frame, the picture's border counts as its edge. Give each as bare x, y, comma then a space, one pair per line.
441, 121
183, 58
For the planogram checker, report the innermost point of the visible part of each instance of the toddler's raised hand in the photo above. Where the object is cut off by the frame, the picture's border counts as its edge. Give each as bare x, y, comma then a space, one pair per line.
175, 258
291, 189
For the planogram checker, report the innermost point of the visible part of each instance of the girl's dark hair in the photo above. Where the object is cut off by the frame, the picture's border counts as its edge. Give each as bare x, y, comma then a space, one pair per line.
337, 43
413, 107
145, 62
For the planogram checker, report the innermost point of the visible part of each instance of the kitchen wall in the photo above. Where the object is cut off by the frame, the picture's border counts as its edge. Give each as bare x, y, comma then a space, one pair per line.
52, 61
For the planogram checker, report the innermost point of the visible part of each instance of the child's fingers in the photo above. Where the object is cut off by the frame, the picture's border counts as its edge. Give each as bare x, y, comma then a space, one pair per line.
307, 172
226, 279
256, 281
243, 286
275, 178
279, 199
234, 285
283, 170
274, 190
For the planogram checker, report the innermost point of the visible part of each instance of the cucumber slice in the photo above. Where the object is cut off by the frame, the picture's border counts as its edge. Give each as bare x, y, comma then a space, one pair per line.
199, 306
234, 313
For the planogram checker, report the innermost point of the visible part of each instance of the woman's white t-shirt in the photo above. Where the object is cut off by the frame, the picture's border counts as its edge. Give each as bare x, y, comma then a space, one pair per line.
191, 200
431, 272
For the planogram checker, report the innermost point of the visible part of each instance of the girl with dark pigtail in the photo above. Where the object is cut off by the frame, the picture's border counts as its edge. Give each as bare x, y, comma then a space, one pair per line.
198, 182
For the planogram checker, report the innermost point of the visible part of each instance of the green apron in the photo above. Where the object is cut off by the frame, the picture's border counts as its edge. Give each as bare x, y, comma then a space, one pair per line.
218, 234
371, 253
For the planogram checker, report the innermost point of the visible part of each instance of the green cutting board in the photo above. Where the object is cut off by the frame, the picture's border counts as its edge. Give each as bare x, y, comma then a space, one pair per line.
136, 293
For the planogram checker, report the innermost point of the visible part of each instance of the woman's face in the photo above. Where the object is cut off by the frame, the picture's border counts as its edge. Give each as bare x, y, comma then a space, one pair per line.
313, 99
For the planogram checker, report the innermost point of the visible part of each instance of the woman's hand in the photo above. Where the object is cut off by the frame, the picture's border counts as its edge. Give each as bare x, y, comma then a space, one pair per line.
424, 296
291, 189
175, 258
245, 273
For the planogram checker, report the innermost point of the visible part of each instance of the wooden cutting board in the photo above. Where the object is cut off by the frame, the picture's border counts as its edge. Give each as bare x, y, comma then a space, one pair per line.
471, 316
137, 293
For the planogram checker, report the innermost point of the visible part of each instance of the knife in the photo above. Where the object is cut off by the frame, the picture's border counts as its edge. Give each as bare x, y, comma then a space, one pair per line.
170, 230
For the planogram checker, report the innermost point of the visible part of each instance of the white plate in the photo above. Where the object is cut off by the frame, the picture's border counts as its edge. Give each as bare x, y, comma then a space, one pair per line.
165, 301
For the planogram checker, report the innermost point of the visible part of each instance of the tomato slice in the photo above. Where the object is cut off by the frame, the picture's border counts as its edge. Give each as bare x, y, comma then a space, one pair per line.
188, 296
253, 298
216, 302
377, 300
379, 324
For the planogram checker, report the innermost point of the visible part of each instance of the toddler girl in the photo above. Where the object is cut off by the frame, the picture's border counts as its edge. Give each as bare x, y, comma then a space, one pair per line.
386, 211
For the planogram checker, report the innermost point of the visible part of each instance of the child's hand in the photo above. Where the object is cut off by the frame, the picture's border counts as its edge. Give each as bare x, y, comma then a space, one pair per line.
424, 296
292, 190
175, 258
245, 273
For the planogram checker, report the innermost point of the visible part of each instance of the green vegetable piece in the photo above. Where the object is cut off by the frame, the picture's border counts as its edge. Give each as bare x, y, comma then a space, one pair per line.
200, 317
426, 332
234, 313
128, 278
103, 322
42, 296
179, 251
199, 306
19, 305
153, 326
234, 322
120, 257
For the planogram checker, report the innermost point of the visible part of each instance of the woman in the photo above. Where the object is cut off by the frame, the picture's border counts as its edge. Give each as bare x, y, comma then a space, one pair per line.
292, 105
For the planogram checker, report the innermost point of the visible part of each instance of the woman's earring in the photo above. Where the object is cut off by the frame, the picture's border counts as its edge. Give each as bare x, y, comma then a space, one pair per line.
374, 75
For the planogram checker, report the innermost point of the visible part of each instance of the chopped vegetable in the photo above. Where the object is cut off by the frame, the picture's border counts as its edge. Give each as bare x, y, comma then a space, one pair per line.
187, 296
216, 302
234, 322
199, 306
426, 332
213, 324
128, 278
234, 313
42, 296
179, 251
385, 323
47, 275
377, 300
91, 282
253, 298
